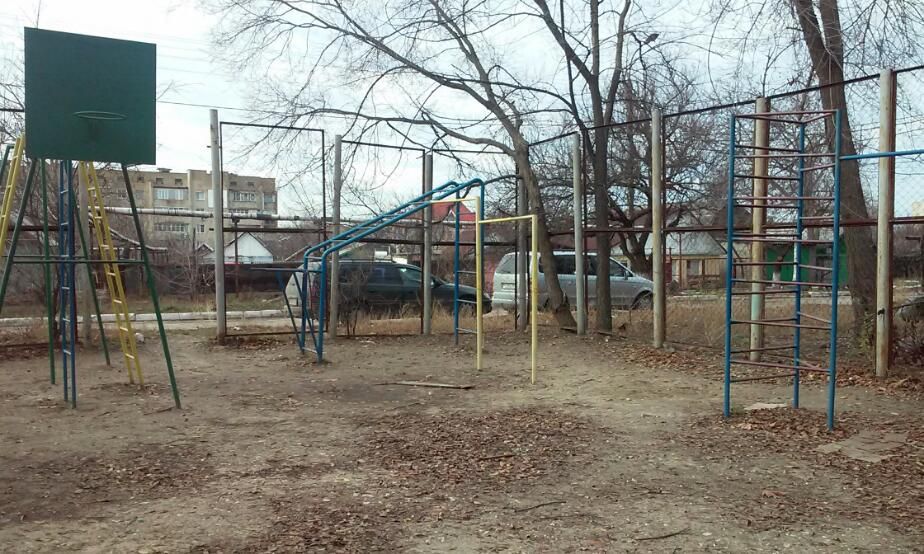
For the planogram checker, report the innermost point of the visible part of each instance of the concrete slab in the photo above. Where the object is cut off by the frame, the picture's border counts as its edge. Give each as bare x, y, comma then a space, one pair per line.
866, 446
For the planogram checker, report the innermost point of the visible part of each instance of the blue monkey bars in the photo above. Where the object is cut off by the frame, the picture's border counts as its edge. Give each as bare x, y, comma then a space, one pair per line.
356, 234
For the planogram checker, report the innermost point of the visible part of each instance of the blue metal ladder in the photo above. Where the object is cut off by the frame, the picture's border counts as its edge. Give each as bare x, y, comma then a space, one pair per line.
67, 312
790, 204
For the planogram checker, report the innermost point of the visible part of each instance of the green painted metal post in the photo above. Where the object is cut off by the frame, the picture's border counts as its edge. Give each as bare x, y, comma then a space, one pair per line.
151, 287
49, 303
17, 227
86, 254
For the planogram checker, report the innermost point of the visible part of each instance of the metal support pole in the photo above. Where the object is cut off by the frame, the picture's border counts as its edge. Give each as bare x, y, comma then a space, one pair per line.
729, 263
883, 226
580, 292
84, 279
46, 271
758, 222
221, 322
335, 257
522, 257
657, 230
152, 285
427, 279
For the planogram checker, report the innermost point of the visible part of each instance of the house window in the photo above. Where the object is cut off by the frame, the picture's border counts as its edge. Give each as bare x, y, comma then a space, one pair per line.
239, 210
201, 227
122, 194
250, 183
161, 193
233, 183
171, 227
200, 195
241, 196
139, 178
158, 180
178, 182
269, 197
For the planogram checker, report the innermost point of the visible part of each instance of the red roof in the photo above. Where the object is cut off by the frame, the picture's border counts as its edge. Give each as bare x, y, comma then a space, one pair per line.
446, 212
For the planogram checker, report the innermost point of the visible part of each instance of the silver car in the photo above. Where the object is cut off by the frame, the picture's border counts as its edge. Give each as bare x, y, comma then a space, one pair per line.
627, 290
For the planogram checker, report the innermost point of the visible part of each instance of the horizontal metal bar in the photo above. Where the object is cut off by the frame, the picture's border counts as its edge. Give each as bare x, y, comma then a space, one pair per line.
814, 318
769, 206
466, 331
778, 324
786, 156
793, 112
784, 241
768, 148
764, 349
782, 283
815, 168
802, 366
463, 301
871, 155
767, 177
784, 198
740, 264
762, 377
764, 292
505, 219
816, 267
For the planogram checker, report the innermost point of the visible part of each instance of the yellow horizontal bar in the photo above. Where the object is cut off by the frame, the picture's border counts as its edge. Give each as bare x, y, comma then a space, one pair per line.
505, 219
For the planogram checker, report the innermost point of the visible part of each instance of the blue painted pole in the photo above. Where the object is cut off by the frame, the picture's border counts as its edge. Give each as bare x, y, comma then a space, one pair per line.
797, 271
457, 226
873, 155
729, 264
835, 271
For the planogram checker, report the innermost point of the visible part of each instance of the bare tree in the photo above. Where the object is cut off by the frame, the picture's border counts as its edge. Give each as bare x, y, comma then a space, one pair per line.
834, 40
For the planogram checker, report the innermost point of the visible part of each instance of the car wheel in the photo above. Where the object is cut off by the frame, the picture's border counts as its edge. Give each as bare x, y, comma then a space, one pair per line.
643, 301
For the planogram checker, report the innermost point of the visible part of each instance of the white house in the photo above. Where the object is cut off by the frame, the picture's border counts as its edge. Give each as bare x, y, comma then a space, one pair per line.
245, 248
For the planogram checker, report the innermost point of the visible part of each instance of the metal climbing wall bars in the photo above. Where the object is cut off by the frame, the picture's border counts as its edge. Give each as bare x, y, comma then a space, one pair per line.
787, 199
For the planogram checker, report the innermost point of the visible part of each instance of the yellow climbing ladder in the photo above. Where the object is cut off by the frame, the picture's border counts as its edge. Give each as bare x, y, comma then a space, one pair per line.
97, 216
10, 190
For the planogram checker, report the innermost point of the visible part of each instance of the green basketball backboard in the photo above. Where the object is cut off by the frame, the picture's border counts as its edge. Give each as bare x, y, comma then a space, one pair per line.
89, 98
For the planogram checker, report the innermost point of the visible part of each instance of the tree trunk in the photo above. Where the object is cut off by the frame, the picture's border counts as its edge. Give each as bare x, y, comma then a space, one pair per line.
604, 314
557, 300
827, 54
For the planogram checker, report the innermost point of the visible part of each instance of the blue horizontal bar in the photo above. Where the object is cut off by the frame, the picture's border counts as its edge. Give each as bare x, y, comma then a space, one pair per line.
466, 331
872, 155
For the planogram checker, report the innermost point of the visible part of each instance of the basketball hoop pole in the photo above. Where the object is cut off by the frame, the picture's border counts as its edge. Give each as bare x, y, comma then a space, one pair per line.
155, 301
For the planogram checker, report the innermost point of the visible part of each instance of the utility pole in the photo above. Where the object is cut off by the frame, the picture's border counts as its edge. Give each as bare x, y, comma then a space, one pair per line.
218, 211
657, 230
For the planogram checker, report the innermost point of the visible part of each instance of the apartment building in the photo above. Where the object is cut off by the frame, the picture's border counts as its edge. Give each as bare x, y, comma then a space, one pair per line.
191, 190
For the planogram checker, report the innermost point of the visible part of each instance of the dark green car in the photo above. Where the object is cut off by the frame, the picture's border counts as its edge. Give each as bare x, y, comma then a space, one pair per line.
386, 286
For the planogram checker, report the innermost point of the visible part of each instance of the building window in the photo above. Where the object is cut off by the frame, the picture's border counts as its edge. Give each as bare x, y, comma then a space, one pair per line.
178, 182
169, 194
233, 183
200, 195
201, 227
122, 194
250, 183
171, 227
269, 198
240, 196
158, 180
140, 178
239, 210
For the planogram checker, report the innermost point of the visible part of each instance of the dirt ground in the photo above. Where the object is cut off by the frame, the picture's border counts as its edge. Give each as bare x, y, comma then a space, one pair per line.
617, 448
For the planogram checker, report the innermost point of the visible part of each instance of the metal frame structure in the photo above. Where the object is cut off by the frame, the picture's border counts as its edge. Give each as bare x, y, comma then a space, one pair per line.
773, 200
533, 291
65, 262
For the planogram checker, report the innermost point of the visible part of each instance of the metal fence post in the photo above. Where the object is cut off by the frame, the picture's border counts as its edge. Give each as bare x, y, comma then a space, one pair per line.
657, 230
335, 257
580, 292
427, 279
758, 222
522, 234
887, 98
221, 322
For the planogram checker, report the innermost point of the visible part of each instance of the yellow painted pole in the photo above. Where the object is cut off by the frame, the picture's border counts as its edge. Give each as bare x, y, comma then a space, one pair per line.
10, 192
479, 302
534, 288
534, 304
